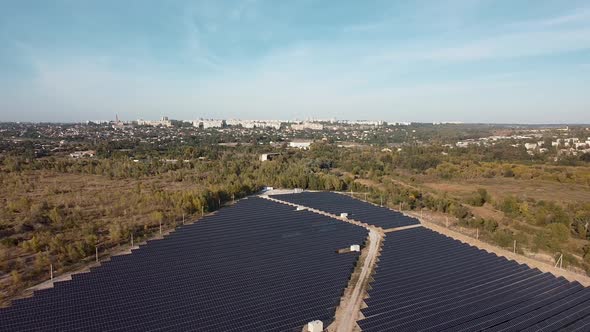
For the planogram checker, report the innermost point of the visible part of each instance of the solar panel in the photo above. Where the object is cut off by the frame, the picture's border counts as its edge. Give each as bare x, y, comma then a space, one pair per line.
335, 203
257, 265
426, 281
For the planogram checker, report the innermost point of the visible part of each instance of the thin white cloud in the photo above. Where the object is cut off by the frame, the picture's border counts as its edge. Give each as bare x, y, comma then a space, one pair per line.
581, 15
513, 45
243, 8
519, 45
196, 47
552, 35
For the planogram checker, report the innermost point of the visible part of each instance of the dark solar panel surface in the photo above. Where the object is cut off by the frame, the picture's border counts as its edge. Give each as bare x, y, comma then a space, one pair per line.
360, 211
255, 266
428, 282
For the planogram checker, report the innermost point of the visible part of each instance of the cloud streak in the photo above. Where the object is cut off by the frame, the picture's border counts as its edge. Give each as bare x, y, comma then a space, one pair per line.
514, 45
580, 15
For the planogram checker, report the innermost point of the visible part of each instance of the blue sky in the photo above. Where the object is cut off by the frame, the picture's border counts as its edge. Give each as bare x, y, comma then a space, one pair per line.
446, 60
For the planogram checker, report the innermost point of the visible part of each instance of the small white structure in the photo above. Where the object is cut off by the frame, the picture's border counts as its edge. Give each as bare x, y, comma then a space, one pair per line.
300, 144
83, 154
343, 215
355, 247
267, 156
315, 326
300, 208
297, 191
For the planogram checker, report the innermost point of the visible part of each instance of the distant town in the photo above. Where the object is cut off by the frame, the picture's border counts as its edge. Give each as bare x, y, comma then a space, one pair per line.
550, 142
249, 124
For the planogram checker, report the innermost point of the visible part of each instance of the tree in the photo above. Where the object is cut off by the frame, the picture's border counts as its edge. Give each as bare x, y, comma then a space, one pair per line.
157, 216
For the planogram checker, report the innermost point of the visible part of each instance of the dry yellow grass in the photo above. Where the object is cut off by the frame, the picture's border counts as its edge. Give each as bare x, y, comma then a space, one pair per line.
501, 187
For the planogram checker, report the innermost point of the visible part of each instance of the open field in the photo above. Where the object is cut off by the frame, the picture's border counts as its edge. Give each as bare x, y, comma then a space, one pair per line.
524, 189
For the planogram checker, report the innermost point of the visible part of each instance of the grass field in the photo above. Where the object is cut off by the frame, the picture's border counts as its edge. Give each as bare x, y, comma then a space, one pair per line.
524, 189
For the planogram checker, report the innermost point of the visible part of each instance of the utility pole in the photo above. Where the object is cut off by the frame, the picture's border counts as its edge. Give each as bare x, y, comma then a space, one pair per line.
514, 246
202, 211
96, 250
160, 227
381, 201
183, 218
477, 233
365, 197
559, 261
131, 240
233, 198
51, 271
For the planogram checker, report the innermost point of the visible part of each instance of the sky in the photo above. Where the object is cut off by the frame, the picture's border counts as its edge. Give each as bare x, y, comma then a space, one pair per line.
498, 61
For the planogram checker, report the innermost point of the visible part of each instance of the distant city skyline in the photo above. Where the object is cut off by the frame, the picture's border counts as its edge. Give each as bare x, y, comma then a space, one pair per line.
472, 61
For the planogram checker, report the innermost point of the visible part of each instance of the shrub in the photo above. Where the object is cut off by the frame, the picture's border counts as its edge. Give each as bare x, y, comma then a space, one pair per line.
479, 198
503, 238
558, 233
490, 225
510, 205
508, 173
459, 211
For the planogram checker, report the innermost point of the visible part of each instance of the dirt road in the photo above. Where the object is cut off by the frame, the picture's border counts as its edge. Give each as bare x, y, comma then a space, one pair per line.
352, 305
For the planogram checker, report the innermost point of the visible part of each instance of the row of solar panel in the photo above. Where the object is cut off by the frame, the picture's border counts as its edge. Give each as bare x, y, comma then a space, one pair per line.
257, 265
335, 203
428, 282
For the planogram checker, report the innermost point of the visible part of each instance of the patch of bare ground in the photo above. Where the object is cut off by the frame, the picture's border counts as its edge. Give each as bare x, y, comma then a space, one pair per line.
487, 212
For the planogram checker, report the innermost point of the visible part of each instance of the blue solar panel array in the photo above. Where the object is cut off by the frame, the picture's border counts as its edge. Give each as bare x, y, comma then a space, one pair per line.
255, 266
428, 282
358, 210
